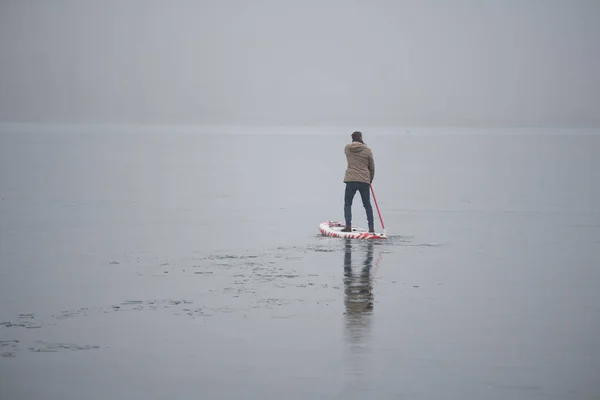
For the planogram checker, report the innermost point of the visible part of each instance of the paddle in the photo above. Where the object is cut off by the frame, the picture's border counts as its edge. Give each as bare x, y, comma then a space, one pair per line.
378, 212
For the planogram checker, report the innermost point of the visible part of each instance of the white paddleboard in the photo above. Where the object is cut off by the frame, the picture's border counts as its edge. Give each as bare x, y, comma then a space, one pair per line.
334, 229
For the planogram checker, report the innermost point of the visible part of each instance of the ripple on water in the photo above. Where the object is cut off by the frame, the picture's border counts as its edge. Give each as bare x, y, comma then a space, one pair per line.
48, 347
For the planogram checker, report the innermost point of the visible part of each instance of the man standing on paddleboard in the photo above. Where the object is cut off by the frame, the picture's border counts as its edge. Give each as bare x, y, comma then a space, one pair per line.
359, 176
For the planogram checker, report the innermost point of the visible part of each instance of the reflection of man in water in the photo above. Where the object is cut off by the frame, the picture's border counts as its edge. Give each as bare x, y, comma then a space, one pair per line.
358, 286
358, 319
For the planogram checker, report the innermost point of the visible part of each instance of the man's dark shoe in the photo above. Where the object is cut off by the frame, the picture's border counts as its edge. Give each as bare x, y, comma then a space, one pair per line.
347, 229
371, 229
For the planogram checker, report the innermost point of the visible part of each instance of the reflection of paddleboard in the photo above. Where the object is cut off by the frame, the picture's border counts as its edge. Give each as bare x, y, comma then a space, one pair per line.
333, 228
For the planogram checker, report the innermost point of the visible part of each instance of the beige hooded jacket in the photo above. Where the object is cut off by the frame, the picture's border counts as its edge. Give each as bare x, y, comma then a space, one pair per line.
361, 165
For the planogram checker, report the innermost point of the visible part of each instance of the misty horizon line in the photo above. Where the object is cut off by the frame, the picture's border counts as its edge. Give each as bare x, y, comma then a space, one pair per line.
54, 127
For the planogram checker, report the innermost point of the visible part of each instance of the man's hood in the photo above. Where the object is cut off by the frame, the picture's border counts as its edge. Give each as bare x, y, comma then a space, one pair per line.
356, 147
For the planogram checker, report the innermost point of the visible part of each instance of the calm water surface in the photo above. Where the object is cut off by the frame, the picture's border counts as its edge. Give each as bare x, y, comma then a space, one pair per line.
152, 266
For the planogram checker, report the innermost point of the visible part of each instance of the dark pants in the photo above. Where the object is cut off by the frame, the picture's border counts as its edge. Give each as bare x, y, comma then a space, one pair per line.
365, 195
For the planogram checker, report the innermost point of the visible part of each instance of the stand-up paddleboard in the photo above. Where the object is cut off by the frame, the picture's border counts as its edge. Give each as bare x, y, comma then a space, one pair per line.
334, 229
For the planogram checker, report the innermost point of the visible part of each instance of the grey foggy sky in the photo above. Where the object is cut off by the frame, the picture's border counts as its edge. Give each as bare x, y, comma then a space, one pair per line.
271, 62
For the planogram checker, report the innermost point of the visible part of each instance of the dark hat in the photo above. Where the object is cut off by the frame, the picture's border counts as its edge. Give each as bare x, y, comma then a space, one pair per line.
357, 136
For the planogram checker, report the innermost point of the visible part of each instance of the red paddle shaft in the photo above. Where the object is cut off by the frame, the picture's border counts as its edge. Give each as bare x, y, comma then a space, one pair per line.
376, 205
